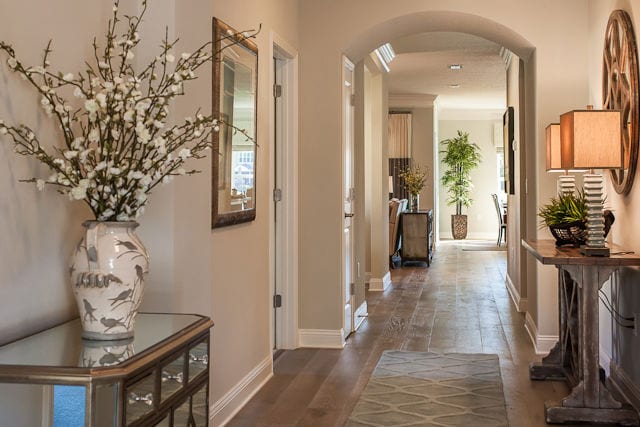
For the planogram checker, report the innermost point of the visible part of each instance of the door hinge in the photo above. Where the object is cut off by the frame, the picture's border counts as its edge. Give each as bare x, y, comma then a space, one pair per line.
352, 99
352, 289
277, 194
277, 91
277, 301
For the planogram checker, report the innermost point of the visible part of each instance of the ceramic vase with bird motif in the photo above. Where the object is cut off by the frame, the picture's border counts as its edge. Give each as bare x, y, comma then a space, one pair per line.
107, 270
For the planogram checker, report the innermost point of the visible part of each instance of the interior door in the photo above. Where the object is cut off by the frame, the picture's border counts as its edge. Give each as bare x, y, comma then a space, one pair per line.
348, 193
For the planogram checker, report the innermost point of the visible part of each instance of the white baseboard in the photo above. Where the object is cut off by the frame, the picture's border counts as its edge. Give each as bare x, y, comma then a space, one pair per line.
624, 385
542, 344
222, 411
471, 235
380, 285
322, 338
519, 302
360, 314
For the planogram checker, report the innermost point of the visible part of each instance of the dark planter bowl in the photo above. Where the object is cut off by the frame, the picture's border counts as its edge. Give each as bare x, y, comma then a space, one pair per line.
575, 233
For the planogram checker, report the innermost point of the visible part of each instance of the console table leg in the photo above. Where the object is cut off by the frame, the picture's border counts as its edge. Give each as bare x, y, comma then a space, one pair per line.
590, 400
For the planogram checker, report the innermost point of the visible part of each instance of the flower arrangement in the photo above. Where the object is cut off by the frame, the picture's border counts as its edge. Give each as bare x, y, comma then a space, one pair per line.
118, 142
414, 179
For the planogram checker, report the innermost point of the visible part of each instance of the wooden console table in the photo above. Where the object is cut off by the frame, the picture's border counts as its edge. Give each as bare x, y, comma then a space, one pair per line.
417, 236
575, 358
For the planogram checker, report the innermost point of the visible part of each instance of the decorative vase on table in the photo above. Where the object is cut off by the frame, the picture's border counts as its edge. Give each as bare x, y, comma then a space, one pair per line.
107, 270
414, 202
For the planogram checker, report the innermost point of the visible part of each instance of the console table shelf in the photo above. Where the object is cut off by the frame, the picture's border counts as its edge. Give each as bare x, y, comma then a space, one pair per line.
160, 377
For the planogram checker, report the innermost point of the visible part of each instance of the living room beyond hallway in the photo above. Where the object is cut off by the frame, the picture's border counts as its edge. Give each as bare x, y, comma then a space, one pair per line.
459, 304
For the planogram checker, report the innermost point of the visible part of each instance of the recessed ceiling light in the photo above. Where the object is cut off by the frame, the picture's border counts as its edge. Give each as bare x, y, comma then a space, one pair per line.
455, 67
454, 86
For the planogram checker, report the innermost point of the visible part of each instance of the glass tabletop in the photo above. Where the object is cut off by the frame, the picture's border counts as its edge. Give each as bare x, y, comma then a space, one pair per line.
63, 347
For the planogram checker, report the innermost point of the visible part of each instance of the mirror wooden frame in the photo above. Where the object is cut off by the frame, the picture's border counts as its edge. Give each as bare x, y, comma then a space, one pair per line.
223, 138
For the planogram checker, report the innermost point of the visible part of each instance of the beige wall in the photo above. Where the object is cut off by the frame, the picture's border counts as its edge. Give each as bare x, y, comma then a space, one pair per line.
222, 273
239, 255
422, 150
618, 343
524, 27
481, 215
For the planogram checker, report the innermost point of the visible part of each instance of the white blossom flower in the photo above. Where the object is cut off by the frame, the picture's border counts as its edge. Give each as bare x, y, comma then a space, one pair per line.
186, 55
12, 63
129, 55
40, 184
102, 100
71, 154
91, 105
114, 171
78, 193
68, 77
185, 153
143, 133
169, 57
103, 65
94, 135
100, 166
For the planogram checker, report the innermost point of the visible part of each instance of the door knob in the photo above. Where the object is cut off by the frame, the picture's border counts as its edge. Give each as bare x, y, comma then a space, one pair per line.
348, 215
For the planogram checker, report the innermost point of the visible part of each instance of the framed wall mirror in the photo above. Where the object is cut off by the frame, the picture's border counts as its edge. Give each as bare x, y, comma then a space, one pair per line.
235, 82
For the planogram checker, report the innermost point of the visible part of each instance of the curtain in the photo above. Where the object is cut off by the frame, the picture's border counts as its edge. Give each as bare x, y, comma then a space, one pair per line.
399, 135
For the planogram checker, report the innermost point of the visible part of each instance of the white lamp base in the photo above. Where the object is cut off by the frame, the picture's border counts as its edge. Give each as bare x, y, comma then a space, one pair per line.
566, 184
595, 245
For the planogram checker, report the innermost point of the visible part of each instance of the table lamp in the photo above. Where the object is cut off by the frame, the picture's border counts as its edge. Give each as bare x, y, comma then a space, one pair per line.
566, 182
591, 139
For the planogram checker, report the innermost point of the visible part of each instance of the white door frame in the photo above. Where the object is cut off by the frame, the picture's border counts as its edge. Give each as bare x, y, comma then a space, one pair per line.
348, 124
285, 264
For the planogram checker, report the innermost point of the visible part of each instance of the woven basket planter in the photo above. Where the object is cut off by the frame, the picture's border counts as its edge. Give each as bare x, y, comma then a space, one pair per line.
459, 226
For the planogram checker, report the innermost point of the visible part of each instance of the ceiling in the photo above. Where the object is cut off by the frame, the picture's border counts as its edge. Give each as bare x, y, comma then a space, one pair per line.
421, 67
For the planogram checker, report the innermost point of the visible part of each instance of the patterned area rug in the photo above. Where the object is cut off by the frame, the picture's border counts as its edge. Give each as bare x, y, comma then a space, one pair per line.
428, 389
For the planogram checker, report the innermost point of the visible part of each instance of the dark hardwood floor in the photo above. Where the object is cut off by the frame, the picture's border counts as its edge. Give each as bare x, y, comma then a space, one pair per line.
459, 304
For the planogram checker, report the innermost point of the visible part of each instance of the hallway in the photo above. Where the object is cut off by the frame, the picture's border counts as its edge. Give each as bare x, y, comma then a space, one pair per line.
460, 304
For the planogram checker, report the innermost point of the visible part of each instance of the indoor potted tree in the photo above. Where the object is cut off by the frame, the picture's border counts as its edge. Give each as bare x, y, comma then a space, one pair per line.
460, 158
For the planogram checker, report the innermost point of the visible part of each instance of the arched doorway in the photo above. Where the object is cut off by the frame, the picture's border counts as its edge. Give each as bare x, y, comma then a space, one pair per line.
522, 220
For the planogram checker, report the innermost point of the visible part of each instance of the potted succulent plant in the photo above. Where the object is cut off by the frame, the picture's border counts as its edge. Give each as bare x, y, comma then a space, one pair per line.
460, 157
566, 217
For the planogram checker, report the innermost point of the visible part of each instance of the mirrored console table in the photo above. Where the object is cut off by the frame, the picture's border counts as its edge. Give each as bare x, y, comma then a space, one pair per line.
575, 358
159, 377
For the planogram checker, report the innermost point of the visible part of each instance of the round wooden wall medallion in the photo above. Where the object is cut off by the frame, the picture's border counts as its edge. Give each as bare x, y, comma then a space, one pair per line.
620, 91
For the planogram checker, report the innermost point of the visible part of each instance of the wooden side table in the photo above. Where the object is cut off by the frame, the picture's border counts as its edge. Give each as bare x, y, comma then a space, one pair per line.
575, 357
417, 236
